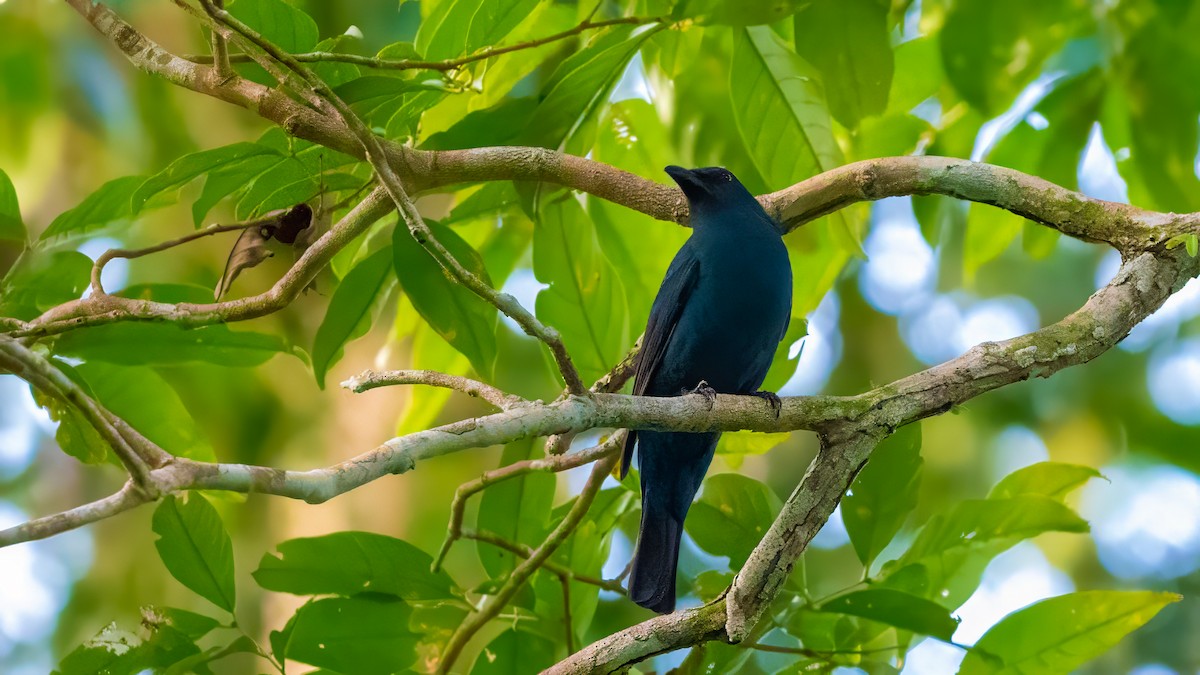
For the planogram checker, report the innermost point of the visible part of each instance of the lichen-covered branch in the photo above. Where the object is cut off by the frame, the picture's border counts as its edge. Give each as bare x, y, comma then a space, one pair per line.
370, 379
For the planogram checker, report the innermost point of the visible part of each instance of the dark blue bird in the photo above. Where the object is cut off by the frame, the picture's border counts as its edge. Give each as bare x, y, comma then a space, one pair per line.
714, 327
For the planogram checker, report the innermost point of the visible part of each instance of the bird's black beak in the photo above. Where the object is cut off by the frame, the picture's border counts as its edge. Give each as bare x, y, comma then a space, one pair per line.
688, 182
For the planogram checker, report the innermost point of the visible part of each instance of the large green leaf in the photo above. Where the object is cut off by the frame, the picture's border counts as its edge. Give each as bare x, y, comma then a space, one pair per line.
568, 106
917, 73
896, 608
349, 563
992, 50
109, 202
884, 493
779, 109
639, 247
731, 516
948, 557
42, 279
141, 397
75, 435
517, 509
361, 634
195, 547
280, 22
457, 27
1060, 634
848, 42
133, 344
12, 227
462, 318
1049, 479
186, 168
114, 651
738, 12
351, 309
584, 299
515, 653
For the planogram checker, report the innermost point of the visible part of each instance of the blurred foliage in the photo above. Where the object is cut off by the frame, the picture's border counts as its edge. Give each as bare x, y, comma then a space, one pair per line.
95, 154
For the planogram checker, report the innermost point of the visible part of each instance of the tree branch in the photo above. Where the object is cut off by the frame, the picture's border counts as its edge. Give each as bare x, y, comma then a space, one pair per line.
447, 64
552, 463
471, 625
370, 379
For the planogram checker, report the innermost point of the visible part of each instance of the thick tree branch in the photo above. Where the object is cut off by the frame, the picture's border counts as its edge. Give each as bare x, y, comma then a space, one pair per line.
1126, 227
1139, 288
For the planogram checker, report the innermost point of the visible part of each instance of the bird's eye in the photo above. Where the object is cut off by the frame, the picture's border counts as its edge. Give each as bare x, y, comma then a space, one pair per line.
727, 176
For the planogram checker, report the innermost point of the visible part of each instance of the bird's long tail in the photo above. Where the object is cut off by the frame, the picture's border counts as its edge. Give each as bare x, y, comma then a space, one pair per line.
652, 576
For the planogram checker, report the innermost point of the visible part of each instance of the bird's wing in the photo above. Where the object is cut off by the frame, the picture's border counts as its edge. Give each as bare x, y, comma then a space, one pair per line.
681, 279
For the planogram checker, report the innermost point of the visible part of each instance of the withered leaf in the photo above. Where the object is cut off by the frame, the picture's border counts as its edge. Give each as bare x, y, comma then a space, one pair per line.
249, 250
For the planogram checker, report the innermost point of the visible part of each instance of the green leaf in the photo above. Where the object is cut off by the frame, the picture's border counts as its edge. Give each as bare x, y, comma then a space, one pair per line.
349, 563
738, 12
457, 27
515, 653
518, 509
1060, 634
361, 634
108, 203
191, 624
884, 493
118, 652
143, 398
749, 442
186, 168
847, 41
40, 280
953, 549
917, 73
220, 183
731, 516
351, 309
1049, 479
12, 227
568, 106
991, 50
462, 318
584, 300
283, 24
896, 608
195, 547
783, 365
168, 343
779, 110
75, 435
710, 584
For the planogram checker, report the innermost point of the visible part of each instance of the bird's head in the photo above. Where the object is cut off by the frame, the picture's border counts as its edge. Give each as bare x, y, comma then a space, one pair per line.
711, 188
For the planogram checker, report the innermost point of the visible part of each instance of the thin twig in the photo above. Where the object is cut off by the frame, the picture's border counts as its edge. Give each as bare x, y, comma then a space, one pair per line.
611, 382
220, 52
110, 254
553, 463
471, 625
554, 568
371, 379
445, 64
128, 497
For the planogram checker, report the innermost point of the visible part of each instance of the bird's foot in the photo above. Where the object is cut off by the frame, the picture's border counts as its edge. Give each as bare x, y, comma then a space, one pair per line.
706, 391
772, 400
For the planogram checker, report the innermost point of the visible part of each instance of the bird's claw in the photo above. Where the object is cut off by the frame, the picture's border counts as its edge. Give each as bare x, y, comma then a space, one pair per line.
772, 400
706, 391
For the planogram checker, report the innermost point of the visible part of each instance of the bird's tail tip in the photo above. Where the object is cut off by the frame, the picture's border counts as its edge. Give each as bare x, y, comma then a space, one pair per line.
652, 575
